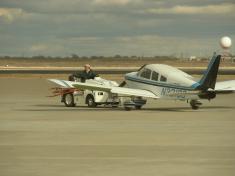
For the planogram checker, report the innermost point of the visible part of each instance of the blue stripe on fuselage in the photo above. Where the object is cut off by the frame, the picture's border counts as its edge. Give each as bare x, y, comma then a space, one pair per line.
154, 83
195, 85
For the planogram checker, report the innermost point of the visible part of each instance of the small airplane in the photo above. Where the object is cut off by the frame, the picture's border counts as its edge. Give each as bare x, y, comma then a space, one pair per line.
159, 81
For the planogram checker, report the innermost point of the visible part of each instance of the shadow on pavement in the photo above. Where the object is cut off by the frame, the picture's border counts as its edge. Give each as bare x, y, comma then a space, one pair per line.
45, 107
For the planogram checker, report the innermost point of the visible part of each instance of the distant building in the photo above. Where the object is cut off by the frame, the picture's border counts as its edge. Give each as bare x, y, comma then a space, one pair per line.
227, 56
194, 58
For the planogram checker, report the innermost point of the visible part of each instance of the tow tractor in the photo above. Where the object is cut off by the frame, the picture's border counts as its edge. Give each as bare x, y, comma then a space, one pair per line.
72, 96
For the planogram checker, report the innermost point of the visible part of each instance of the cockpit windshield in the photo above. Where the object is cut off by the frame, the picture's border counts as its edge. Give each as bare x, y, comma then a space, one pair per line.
145, 73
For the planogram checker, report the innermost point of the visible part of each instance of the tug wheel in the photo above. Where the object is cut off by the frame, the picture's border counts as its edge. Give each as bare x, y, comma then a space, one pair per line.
69, 100
90, 101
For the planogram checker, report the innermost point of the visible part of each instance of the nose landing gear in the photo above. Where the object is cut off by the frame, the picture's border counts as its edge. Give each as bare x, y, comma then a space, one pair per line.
195, 104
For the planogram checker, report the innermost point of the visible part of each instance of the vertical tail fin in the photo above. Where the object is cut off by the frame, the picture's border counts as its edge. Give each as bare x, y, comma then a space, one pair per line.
209, 78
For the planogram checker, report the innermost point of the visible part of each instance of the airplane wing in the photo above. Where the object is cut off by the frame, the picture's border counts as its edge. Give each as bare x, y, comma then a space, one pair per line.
62, 83
133, 92
79, 85
225, 87
105, 88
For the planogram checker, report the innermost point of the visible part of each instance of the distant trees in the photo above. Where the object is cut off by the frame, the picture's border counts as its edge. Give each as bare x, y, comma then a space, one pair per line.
77, 57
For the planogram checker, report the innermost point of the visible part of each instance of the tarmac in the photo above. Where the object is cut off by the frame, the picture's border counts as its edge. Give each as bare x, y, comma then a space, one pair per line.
39, 136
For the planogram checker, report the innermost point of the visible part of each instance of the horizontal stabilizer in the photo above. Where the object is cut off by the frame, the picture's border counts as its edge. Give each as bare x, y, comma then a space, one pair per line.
225, 87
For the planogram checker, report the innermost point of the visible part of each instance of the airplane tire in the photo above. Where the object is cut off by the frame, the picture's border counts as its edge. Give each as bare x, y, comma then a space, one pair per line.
69, 100
138, 107
127, 108
90, 101
194, 105
114, 106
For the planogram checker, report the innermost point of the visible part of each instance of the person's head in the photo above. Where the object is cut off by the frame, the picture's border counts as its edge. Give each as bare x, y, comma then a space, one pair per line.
87, 67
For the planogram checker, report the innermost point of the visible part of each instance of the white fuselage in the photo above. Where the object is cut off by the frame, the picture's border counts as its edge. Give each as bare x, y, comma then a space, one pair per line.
164, 81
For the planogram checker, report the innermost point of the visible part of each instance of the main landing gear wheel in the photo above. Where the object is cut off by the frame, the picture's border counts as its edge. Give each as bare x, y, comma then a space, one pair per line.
195, 104
90, 101
128, 105
138, 107
139, 102
69, 100
136, 103
127, 108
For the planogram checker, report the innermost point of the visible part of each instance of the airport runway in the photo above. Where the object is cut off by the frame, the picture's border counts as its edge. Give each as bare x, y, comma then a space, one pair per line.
39, 136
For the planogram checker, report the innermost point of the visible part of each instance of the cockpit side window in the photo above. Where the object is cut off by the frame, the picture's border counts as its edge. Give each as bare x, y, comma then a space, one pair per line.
146, 73
163, 79
155, 76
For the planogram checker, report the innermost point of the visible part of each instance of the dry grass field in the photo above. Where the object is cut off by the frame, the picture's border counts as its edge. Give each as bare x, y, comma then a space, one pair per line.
106, 62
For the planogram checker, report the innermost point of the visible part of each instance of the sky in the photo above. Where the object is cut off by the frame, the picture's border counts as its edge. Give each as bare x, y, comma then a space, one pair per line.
110, 27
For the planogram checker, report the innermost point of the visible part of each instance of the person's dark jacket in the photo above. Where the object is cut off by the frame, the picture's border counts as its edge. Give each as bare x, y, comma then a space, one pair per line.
85, 75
